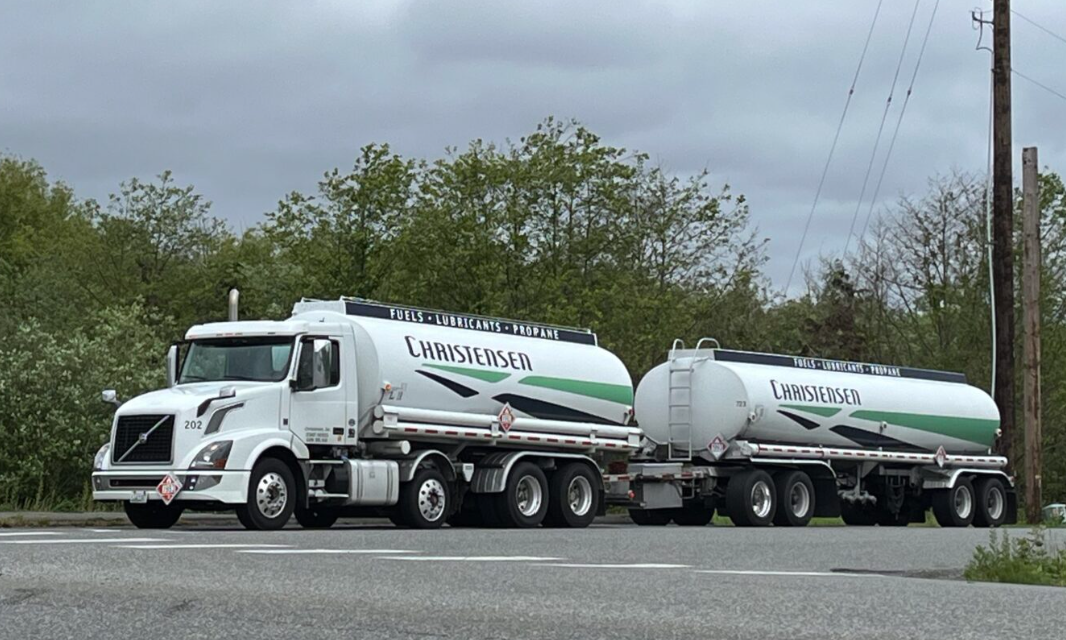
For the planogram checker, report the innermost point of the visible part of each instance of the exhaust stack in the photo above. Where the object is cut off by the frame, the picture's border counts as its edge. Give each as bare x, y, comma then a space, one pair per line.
234, 298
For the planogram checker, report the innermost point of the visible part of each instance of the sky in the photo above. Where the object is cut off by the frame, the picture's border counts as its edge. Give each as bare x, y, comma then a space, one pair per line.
251, 100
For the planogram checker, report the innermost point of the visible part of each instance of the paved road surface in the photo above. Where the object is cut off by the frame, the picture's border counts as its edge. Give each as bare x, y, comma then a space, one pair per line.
608, 581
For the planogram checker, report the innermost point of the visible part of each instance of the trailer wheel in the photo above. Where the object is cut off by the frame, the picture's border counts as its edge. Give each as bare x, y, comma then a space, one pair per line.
424, 501
751, 499
271, 496
795, 499
955, 507
697, 516
153, 515
573, 499
316, 517
991, 497
650, 517
524, 502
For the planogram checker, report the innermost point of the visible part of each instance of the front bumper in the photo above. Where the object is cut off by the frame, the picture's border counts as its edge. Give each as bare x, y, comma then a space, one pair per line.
229, 487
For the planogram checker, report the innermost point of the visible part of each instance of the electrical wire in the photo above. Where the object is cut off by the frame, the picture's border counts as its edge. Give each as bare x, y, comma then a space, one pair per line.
899, 122
832, 147
881, 127
1039, 26
1039, 84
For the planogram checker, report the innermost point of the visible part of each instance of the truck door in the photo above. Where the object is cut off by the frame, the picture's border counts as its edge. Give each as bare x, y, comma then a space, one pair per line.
317, 407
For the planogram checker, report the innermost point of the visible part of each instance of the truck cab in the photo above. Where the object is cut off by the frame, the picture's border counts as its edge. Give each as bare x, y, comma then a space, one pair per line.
238, 391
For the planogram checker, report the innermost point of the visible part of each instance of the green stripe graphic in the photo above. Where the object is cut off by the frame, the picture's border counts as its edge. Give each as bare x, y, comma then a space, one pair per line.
977, 430
480, 374
619, 393
818, 411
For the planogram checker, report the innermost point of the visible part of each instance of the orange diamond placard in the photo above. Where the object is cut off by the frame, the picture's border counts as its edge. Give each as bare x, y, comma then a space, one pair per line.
168, 488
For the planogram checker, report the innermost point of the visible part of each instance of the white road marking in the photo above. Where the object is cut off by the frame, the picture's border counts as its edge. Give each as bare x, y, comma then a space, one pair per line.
206, 545
806, 574
590, 565
470, 558
325, 551
29, 533
82, 541
102, 530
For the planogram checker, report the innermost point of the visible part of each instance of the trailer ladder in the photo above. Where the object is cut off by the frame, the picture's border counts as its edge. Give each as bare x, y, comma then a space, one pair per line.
679, 422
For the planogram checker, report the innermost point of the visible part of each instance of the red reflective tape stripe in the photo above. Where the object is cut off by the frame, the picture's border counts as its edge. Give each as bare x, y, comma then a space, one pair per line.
451, 433
410, 429
534, 438
553, 439
432, 431
571, 441
514, 437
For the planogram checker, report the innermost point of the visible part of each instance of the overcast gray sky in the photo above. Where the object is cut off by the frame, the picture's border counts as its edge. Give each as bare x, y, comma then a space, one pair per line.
250, 100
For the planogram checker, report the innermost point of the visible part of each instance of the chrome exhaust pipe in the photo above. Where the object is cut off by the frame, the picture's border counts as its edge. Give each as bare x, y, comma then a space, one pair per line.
234, 298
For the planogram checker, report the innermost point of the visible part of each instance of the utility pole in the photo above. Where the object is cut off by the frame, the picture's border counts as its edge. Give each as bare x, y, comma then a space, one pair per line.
1031, 262
1002, 225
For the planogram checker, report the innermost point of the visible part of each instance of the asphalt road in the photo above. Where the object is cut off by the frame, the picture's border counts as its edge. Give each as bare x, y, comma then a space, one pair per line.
608, 581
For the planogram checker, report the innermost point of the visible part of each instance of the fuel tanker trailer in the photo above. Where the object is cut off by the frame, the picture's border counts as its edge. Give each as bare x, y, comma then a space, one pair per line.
778, 439
361, 408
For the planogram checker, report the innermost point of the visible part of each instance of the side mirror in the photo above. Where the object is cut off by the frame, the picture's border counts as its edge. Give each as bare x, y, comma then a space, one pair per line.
110, 396
172, 365
314, 366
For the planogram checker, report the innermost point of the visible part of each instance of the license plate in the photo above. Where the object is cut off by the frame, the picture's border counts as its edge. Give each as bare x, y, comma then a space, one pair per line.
139, 497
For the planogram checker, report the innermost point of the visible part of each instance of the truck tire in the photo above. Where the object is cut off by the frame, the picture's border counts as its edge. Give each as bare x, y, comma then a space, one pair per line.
573, 498
153, 515
991, 502
271, 496
795, 499
955, 507
694, 516
855, 515
650, 517
424, 501
751, 499
316, 517
524, 502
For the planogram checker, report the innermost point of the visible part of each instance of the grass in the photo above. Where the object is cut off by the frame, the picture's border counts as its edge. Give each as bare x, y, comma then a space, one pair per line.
1033, 559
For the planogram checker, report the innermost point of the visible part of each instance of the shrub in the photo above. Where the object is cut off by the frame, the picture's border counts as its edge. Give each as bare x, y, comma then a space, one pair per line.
1029, 560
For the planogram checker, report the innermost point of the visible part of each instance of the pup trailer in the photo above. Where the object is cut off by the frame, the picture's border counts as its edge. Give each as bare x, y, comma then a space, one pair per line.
352, 407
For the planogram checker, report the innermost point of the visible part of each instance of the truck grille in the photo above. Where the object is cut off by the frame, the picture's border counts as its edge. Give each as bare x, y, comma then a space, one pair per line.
132, 445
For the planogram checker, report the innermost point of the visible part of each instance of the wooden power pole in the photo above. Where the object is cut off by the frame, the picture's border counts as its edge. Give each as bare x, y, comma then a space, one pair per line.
1031, 323
1002, 225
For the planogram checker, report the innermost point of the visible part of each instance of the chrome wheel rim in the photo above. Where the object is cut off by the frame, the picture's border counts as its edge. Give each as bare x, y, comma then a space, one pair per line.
271, 495
963, 501
800, 499
995, 504
579, 495
529, 495
761, 499
431, 500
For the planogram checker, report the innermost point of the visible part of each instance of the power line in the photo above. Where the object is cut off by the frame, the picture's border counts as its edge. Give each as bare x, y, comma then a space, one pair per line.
1039, 84
899, 122
1039, 26
881, 127
832, 148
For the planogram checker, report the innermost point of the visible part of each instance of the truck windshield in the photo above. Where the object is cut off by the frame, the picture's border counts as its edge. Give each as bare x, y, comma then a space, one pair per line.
257, 359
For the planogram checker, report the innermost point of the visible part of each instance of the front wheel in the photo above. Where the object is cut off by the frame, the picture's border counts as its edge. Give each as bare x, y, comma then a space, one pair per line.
572, 497
751, 499
271, 496
153, 515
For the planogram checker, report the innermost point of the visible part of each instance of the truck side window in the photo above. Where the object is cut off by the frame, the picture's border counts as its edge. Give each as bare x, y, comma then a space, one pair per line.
307, 363
335, 365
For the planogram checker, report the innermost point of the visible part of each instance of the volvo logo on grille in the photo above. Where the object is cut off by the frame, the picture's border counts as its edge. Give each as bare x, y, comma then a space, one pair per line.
143, 438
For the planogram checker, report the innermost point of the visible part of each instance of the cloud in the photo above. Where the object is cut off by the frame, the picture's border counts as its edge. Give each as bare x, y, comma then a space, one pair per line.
250, 101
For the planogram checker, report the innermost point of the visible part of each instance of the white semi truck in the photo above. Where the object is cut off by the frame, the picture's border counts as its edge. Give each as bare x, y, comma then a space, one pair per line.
352, 407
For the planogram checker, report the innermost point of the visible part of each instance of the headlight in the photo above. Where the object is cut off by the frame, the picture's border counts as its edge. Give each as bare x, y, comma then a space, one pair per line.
101, 457
213, 456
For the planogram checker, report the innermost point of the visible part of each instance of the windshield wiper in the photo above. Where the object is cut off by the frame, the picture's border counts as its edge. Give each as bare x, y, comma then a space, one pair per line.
244, 378
192, 378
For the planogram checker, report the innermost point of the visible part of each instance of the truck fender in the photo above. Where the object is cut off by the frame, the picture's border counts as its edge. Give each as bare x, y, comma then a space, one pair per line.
948, 479
410, 465
492, 473
276, 441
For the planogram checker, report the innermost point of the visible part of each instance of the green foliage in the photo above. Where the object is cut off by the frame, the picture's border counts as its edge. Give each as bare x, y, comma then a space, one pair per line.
1029, 560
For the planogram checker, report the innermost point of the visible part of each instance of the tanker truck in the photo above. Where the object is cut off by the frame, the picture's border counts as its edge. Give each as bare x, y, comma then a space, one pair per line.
352, 407
772, 439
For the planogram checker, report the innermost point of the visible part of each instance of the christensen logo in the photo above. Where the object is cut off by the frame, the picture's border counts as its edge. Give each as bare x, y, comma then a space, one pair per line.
814, 393
465, 354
